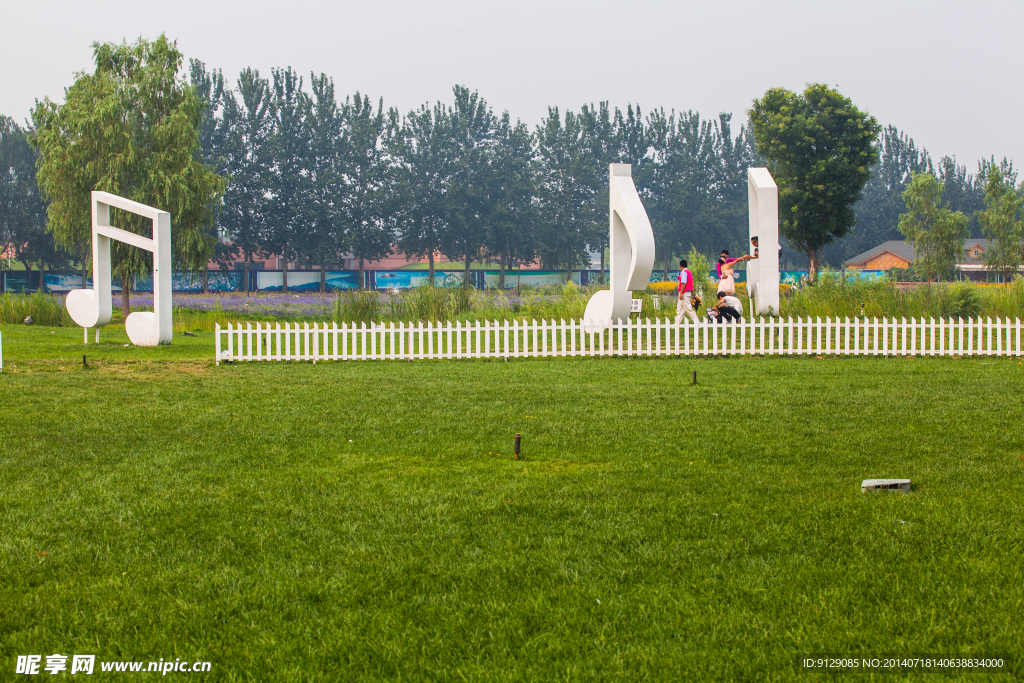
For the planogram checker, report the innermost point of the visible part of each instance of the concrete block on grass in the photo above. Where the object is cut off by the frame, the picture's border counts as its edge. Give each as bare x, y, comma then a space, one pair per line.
885, 485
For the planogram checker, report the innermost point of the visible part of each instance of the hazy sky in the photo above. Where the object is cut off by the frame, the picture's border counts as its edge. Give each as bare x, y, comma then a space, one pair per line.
948, 73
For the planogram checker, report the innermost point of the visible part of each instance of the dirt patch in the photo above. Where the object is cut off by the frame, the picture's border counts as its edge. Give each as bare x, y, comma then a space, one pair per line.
110, 367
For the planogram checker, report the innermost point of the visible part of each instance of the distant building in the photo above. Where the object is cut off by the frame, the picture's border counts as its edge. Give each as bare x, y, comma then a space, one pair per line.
393, 261
891, 254
899, 254
348, 262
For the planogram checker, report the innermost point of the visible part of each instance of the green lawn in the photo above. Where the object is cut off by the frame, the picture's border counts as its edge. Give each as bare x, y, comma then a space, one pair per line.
365, 521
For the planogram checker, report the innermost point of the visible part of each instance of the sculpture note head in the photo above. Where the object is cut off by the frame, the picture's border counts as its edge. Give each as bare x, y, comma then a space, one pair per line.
142, 329
598, 315
84, 308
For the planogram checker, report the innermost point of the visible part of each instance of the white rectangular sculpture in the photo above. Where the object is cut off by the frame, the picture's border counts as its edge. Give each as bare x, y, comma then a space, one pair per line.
631, 250
92, 308
763, 272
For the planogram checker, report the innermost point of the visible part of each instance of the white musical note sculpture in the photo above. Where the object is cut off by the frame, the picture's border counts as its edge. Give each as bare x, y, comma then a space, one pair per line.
631, 242
763, 272
92, 307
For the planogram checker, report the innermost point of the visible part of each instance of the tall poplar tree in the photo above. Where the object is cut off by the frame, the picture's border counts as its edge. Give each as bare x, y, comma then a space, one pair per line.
509, 179
570, 197
371, 202
604, 142
470, 132
248, 157
323, 192
963, 191
210, 87
290, 149
685, 178
424, 169
878, 211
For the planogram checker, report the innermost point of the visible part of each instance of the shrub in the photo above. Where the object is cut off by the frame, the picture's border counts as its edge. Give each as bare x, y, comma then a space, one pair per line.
662, 287
700, 266
960, 301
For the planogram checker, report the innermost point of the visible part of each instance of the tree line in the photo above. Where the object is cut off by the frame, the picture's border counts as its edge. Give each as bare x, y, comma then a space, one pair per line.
293, 169
882, 203
278, 164
314, 177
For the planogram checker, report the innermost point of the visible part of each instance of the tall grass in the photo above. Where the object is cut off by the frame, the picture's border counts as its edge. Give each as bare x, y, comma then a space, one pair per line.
837, 297
50, 311
567, 301
45, 309
191, 319
432, 303
421, 303
831, 297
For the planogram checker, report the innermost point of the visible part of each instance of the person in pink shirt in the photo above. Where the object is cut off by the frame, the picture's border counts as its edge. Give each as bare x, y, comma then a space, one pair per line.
685, 305
726, 282
724, 259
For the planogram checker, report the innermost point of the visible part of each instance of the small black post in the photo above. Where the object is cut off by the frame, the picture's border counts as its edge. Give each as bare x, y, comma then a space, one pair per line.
84, 364
694, 376
515, 448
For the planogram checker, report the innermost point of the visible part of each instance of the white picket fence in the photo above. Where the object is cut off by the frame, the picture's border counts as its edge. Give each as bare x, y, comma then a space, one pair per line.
519, 339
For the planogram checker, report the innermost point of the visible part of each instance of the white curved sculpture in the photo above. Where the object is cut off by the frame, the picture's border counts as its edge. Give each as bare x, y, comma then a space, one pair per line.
763, 272
631, 241
92, 307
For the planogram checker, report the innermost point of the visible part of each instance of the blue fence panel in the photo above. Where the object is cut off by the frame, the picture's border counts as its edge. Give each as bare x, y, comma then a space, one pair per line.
18, 281
309, 280
405, 279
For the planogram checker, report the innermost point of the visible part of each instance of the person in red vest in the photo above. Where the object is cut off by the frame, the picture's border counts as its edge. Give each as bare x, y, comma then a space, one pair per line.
685, 305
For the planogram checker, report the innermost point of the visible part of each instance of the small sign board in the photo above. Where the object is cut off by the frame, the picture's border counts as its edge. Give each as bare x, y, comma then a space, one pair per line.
885, 485
636, 305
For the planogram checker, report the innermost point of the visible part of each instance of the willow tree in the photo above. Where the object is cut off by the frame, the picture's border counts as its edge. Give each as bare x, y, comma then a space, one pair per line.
131, 128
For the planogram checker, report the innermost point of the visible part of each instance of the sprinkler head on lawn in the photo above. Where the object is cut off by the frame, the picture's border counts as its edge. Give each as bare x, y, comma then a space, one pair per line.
902, 485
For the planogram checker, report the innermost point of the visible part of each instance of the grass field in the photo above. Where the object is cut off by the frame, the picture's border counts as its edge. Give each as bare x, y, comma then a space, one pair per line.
350, 521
